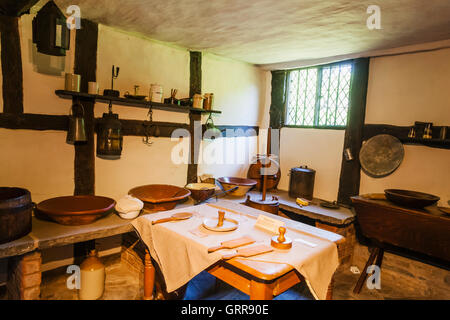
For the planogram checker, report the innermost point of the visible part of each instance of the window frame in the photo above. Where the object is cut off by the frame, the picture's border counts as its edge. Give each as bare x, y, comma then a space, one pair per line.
319, 77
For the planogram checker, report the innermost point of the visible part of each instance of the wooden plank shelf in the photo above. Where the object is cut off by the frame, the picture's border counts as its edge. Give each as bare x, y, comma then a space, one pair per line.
401, 132
130, 102
435, 143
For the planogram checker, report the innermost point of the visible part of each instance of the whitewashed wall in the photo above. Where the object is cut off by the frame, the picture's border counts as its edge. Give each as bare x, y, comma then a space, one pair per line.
239, 92
39, 161
404, 89
44, 164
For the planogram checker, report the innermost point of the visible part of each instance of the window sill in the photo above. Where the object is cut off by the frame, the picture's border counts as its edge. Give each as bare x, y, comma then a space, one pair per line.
316, 127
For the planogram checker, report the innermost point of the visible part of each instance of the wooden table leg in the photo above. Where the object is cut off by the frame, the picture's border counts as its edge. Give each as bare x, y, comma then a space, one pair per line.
260, 291
149, 276
362, 278
380, 258
330, 290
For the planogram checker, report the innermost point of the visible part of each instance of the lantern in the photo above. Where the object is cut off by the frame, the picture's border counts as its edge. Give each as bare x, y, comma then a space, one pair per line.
50, 32
109, 137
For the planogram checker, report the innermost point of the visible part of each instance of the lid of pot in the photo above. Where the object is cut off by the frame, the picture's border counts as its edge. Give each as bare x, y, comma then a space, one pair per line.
303, 169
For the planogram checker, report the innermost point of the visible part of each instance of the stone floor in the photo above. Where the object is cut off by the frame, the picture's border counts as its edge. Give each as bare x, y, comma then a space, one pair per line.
124, 284
120, 284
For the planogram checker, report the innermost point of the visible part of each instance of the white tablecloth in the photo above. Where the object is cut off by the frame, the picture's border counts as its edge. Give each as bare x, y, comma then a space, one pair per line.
180, 248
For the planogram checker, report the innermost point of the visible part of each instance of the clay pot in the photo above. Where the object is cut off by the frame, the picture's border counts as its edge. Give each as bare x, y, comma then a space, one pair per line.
244, 185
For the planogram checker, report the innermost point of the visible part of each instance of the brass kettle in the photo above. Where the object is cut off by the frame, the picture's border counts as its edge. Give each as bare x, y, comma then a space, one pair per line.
76, 132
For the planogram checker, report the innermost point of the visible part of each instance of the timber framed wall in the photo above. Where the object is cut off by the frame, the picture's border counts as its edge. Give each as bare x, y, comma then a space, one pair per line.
86, 46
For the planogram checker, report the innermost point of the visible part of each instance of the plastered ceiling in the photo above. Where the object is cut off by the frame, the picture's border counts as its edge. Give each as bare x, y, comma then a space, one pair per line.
272, 31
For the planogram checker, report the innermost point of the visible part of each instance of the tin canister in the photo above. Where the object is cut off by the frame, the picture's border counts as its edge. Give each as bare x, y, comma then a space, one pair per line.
197, 101
208, 101
156, 93
301, 182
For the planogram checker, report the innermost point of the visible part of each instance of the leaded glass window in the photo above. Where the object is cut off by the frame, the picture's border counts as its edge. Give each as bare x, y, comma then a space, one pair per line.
319, 96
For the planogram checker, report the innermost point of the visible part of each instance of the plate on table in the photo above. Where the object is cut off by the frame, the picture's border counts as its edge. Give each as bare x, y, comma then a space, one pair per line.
228, 224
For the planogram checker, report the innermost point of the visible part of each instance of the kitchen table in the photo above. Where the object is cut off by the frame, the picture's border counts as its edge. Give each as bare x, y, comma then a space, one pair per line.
259, 279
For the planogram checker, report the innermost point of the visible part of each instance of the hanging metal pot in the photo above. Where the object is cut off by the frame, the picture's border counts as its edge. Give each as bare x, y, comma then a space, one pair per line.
76, 132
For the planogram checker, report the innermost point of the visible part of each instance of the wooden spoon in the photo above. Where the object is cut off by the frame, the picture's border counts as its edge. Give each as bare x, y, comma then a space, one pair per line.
174, 217
231, 244
249, 252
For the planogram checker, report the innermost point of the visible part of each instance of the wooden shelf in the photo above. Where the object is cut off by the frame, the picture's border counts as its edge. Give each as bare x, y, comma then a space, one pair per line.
436, 143
130, 102
401, 132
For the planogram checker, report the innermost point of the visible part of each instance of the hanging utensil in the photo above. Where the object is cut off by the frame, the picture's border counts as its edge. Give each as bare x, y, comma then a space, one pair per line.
76, 132
147, 128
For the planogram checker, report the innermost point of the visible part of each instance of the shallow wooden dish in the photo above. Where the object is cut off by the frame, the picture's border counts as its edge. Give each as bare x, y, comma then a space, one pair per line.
411, 199
244, 185
159, 197
75, 210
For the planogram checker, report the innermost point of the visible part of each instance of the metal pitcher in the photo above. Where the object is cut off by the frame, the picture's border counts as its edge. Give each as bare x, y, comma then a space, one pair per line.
76, 132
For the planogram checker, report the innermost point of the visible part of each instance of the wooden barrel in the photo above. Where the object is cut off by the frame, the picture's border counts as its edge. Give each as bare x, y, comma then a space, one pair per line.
15, 213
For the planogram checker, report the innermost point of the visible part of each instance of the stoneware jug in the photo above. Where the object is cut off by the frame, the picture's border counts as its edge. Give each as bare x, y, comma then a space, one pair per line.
92, 277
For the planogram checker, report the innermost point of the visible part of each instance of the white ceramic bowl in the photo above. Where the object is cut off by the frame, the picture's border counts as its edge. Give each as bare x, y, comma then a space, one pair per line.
129, 215
129, 207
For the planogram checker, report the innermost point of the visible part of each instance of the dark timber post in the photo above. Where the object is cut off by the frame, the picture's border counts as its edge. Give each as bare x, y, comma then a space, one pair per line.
195, 87
86, 66
84, 166
11, 58
350, 169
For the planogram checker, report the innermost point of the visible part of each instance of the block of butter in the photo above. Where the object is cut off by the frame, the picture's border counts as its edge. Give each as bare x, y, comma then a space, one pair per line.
302, 202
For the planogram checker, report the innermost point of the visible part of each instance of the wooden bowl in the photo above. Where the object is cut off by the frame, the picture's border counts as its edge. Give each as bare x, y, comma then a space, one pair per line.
244, 185
412, 199
75, 210
159, 197
201, 191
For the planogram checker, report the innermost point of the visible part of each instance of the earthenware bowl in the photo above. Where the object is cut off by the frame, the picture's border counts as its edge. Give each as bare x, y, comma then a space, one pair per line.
244, 185
159, 197
74, 210
201, 191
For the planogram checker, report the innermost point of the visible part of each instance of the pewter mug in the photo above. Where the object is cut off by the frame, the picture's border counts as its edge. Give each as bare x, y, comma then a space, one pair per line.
76, 132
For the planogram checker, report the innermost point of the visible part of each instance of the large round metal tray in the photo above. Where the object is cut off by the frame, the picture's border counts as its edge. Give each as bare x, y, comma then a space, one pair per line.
381, 155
